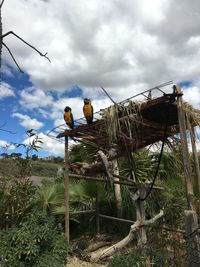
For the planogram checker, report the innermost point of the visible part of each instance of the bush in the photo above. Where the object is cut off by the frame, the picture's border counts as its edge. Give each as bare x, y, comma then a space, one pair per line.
139, 258
35, 243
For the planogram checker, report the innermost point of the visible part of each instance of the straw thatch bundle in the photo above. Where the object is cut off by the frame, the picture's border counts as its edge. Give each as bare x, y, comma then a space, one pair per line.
122, 118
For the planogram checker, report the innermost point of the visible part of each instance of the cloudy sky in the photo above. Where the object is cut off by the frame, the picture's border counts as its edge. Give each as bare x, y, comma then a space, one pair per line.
126, 46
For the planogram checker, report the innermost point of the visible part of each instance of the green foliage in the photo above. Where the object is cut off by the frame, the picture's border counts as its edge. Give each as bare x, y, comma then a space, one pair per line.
83, 152
48, 196
174, 201
15, 198
36, 242
139, 258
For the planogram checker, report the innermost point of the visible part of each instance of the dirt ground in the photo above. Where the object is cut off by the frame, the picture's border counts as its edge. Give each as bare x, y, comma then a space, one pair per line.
75, 262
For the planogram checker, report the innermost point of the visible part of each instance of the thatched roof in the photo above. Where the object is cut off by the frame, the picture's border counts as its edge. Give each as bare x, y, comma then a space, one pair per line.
134, 125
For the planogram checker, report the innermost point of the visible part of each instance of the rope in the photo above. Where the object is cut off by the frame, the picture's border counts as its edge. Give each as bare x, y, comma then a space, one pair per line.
171, 100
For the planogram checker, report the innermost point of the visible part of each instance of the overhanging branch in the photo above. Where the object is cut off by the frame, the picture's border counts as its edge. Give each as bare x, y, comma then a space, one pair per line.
1, 4
12, 56
21, 39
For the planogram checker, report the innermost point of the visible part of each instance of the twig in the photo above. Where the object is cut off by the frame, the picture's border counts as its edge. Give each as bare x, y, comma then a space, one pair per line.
108, 95
1, 4
12, 56
11, 32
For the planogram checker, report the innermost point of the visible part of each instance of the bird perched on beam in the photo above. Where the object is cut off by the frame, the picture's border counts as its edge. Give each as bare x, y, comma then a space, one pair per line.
88, 110
68, 117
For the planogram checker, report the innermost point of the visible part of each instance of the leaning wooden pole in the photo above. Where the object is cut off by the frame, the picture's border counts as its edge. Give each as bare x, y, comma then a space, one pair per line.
185, 152
191, 222
195, 157
66, 185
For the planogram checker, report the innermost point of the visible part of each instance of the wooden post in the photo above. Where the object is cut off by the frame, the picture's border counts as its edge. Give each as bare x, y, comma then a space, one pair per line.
117, 188
185, 153
66, 185
140, 215
97, 209
192, 242
195, 157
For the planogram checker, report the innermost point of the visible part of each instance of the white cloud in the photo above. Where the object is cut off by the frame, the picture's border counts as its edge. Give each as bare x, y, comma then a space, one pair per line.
6, 70
34, 98
6, 90
129, 47
52, 108
192, 96
129, 44
49, 145
6, 146
28, 122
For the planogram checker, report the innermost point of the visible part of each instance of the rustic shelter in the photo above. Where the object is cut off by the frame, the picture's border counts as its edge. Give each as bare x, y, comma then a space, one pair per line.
126, 127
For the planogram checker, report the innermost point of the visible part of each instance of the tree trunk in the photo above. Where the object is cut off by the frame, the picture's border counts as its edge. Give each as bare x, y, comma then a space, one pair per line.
117, 188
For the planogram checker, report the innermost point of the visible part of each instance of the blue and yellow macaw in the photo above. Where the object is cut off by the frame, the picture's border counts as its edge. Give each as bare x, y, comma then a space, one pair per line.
88, 110
68, 117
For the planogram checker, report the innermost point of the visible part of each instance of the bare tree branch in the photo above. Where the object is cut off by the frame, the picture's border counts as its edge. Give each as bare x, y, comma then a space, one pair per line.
12, 56
11, 32
1, 4
135, 227
1, 126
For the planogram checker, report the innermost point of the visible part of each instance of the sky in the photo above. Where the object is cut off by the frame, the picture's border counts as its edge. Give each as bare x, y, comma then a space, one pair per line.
126, 46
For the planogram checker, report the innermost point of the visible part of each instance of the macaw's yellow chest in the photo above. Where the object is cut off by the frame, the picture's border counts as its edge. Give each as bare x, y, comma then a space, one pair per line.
67, 116
87, 110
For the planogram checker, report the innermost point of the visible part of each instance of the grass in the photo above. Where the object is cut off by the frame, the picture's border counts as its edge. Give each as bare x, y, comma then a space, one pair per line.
9, 167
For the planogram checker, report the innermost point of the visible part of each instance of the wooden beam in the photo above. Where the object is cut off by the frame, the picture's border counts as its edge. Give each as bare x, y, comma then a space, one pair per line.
195, 157
90, 178
115, 218
185, 152
81, 212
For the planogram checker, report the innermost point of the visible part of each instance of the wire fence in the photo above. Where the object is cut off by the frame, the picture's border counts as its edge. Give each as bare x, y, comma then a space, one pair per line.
181, 250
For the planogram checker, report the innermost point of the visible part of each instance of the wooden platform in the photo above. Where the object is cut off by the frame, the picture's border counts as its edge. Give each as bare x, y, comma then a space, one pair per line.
148, 127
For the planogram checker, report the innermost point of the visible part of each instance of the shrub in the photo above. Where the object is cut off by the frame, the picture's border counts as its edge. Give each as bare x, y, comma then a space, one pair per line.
36, 242
139, 258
